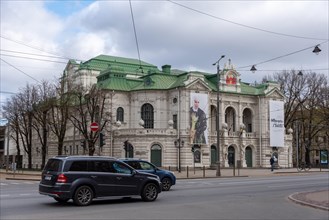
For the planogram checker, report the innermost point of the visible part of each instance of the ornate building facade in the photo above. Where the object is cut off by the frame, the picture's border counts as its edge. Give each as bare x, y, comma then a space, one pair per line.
154, 115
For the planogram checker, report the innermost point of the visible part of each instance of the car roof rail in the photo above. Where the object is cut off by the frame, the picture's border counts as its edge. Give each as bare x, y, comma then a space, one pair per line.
84, 156
130, 158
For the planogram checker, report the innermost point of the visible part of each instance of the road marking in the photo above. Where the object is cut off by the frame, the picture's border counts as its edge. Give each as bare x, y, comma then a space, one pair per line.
25, 194
289, 185
18, 183
29, 183
22, 194
4, 195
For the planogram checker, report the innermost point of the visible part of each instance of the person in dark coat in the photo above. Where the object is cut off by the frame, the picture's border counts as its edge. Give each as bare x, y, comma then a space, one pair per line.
272, 163
198, 123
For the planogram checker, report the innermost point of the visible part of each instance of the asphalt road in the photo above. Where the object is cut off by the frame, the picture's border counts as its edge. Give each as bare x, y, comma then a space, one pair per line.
214, 198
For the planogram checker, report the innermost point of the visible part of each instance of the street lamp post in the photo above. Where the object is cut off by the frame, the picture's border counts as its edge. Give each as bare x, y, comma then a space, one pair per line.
297, 145
218, 118
7, 156
179, 144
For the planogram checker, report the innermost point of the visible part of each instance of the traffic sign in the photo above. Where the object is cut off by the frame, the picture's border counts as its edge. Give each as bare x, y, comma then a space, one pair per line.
94, 126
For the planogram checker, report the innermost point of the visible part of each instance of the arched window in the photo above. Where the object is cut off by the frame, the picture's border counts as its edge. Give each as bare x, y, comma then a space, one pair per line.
120, 114
147, 115
230, 119
213, 123
247, 119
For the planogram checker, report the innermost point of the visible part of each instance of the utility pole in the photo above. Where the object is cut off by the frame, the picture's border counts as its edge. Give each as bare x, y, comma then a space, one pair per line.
218, 173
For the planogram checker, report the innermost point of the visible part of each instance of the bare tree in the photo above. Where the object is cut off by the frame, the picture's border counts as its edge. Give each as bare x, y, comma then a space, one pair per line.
293, 86
89, 107
11, 113
19, 112
313, 121
304, 104
46, 94
59, 115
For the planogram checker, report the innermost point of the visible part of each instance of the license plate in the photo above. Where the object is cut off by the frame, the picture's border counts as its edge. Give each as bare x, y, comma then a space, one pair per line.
47, 177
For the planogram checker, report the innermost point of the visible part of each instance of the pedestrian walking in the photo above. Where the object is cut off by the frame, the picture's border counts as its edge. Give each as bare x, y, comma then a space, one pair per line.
272, 163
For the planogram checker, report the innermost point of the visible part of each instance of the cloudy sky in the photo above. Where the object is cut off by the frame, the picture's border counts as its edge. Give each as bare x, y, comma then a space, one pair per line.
38, 37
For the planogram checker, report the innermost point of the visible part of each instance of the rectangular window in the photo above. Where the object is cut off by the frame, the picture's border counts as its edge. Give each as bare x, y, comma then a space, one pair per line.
79, 166
2, 145
53, 165
249, 128
100, 166
77, 149
174, 117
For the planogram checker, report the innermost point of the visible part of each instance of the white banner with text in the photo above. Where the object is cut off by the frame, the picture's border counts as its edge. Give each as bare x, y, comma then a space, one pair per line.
276, 123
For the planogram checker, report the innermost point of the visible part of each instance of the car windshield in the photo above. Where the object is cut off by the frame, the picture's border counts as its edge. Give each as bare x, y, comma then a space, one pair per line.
120, 168
146, 166
53, 165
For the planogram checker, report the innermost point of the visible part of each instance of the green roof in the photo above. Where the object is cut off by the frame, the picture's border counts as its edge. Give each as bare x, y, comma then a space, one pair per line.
128, 65
126, 74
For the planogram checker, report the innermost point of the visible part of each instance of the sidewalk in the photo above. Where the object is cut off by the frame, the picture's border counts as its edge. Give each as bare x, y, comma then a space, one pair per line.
246, 172
317, 199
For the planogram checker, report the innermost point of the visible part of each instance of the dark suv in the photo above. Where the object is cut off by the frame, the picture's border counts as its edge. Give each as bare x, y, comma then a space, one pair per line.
167, 177
83, 178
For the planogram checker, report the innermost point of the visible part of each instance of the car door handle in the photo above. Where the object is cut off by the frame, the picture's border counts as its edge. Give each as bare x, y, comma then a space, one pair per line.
93, 177
119, 178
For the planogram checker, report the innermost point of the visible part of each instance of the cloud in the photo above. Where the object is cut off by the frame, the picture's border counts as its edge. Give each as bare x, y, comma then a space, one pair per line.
185, 34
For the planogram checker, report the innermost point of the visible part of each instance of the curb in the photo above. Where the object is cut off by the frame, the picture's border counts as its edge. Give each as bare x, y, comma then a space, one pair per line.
291, 197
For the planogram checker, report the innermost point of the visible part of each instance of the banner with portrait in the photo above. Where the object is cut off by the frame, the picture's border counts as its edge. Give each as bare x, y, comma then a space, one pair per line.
198, 118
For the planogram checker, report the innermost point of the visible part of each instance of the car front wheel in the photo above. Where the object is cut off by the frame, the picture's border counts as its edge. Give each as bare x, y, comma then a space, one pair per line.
83, 196
166, 184
150, 192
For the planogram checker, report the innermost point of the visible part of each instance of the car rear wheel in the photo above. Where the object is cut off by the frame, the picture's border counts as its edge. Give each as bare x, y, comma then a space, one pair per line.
150, 192
166, 184
61, 200
83, 196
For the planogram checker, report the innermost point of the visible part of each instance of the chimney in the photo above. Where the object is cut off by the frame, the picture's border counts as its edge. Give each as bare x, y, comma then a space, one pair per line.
166, 68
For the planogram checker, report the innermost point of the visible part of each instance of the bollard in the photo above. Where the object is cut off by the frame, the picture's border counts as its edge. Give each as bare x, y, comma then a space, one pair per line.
204, 171
187, 171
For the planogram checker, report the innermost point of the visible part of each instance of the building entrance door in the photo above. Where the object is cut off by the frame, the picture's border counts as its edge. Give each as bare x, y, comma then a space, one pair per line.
156, 155
248, 156
213, 155
231, 156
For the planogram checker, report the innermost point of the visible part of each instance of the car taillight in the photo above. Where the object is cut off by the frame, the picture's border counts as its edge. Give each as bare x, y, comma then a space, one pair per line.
61, 178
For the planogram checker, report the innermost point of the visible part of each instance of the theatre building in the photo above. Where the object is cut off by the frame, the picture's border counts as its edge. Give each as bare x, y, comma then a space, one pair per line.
155, 117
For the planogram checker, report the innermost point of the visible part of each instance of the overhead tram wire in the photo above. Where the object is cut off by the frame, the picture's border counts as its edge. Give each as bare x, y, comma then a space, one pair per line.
245, 26
31, 58
36, 48
136, 39
32, 54
20, 70
5, 92
298, 51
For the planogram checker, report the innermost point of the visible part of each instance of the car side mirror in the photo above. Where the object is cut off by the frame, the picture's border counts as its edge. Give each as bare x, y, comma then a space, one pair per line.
133, 172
